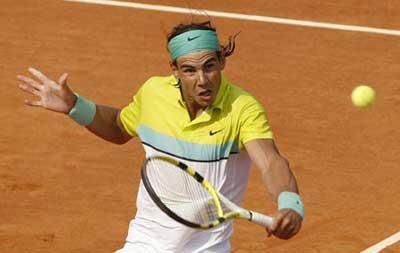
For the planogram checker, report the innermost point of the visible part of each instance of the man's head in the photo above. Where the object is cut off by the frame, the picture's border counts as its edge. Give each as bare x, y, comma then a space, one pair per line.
197, 60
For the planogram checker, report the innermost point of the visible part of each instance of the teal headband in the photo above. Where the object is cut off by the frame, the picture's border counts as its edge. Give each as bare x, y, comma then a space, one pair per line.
193, 41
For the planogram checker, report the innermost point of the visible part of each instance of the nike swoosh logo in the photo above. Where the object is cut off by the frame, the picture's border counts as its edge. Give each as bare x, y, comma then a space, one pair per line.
193, 38
215, 132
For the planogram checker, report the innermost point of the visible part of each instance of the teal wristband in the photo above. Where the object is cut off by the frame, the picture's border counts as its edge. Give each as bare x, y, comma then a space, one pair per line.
83, 112
291, 200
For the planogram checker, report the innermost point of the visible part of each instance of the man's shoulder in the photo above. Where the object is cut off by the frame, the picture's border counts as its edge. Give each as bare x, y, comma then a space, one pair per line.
238, 97
159, 88
158, 85
161, 81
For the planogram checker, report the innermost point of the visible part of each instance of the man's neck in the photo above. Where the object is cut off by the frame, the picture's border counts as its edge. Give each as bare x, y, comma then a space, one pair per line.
194, 110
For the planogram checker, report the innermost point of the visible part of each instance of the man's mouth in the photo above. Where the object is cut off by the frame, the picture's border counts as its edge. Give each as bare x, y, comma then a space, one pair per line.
206, 95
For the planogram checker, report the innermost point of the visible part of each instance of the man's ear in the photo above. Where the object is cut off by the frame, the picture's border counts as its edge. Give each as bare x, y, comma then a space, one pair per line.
222, 61
174, 69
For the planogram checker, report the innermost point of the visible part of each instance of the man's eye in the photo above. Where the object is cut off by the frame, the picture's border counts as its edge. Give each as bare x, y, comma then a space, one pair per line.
210, 65
188, 70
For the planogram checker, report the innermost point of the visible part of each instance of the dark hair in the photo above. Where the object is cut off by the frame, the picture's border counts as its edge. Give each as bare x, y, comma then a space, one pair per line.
226, 50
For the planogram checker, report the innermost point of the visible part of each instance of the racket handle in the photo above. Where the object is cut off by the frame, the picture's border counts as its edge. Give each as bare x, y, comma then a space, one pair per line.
261, 219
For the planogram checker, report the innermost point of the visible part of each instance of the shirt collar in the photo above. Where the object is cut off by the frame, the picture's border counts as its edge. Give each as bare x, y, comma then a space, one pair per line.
220, 99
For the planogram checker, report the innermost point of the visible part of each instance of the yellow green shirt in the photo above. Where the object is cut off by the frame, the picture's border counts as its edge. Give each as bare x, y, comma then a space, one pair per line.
212, 143
159, 117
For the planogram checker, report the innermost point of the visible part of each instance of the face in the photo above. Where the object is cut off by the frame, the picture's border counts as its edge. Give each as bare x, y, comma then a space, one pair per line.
200, 76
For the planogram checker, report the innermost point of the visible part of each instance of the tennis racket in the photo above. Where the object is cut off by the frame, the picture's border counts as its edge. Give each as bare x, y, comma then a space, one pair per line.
185, 196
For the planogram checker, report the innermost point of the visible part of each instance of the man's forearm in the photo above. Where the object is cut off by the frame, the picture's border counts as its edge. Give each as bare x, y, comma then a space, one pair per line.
105, 125
276, 174
278, 177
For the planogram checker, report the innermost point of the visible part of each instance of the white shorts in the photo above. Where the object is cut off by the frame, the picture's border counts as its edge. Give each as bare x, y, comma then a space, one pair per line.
146, 248
138, 241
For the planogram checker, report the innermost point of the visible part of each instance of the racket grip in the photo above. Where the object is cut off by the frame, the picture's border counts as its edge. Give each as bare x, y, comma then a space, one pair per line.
261, 219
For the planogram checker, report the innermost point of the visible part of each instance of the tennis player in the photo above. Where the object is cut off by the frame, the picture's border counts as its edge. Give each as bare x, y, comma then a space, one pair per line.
196, 115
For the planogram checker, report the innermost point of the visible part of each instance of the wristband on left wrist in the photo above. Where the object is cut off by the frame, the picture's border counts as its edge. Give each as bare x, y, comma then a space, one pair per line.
291, 200
83, 111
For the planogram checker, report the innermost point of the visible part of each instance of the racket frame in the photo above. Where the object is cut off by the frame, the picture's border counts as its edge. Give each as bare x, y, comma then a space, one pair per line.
217, 198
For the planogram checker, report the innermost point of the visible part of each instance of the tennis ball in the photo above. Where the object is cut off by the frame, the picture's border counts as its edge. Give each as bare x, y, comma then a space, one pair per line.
363, 96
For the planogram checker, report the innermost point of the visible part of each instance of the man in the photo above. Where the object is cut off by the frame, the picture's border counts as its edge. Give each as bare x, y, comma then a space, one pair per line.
195, 115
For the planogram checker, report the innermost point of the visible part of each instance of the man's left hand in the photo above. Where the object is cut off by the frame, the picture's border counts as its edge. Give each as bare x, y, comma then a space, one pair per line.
287, 223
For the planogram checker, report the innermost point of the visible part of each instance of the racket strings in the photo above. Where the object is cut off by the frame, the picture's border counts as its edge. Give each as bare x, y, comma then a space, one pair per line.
180, 192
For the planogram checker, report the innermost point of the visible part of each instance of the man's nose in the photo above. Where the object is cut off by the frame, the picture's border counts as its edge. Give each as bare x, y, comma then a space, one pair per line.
202, 78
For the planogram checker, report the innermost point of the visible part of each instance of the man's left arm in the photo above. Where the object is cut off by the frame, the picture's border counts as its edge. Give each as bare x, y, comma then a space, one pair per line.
281, 184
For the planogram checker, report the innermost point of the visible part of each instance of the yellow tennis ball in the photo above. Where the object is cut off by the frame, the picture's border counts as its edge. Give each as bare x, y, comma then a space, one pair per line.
363, 96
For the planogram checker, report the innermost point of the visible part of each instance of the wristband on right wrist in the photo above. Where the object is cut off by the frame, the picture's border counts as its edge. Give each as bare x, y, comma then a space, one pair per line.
291, 200
83, 111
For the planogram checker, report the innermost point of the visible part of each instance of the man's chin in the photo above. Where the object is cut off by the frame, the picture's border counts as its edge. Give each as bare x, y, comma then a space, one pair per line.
205, 102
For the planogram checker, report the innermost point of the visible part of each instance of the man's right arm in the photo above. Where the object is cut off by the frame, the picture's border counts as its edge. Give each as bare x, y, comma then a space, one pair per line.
107, 125
103, 121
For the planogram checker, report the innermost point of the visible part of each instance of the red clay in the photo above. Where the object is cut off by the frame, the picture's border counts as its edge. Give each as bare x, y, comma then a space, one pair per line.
64, 190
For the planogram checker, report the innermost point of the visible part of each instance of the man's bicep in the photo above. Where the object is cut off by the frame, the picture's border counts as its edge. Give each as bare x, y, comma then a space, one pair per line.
129, 116
254, 124
124, 133
261, 152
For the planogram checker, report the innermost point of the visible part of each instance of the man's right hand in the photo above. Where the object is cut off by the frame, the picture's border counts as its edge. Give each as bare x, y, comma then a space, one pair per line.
53, 96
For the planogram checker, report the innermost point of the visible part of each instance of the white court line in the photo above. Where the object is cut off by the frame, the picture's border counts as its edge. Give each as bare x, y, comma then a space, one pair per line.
243, 16
383, 244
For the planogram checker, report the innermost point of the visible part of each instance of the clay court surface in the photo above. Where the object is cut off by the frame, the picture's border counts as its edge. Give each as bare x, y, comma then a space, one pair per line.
65, 190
